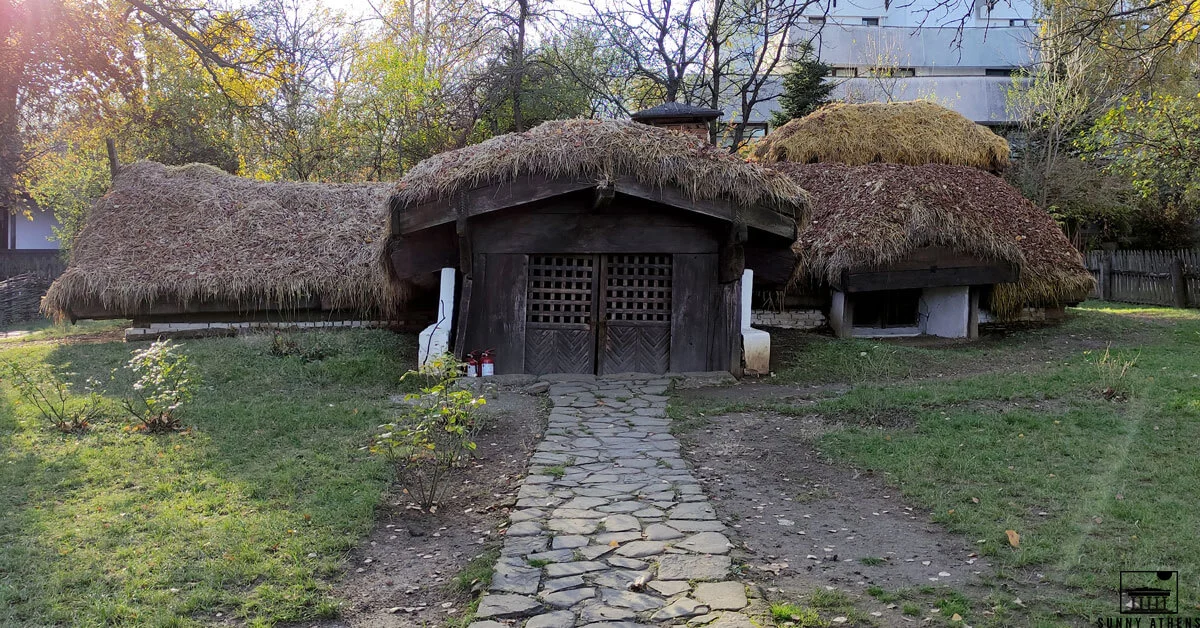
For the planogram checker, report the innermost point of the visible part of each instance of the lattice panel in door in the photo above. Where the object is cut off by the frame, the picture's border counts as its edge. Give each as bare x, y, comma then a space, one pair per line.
560, 291
637, 289
560, 332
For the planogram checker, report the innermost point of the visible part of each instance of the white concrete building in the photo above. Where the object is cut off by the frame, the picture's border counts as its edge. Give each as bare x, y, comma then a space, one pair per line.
890, 51
34, 232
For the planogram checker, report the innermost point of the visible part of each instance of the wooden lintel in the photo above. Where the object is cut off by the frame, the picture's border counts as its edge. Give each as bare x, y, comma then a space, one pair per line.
934, 277
528, 189
759, 218
483, 200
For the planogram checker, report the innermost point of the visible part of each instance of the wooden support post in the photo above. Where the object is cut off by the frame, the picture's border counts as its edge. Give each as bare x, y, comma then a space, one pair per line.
1106, 271
463, 319
113, 164
731, 257
1178, 283
466, 253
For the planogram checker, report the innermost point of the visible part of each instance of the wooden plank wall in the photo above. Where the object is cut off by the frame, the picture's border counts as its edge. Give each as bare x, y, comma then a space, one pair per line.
43, 263
1168, 278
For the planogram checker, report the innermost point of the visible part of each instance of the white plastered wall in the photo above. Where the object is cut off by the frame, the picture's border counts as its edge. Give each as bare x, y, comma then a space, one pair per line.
756, 343
435, 339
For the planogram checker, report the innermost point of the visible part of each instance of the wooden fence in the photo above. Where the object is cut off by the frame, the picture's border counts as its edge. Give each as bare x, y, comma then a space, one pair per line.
24, 277
1170, 278
45, 263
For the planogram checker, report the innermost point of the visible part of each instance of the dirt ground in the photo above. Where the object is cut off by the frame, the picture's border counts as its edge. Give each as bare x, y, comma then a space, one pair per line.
401, 575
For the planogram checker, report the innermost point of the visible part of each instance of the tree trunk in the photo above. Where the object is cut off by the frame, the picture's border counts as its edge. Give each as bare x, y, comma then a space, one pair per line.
518, 63
11, 151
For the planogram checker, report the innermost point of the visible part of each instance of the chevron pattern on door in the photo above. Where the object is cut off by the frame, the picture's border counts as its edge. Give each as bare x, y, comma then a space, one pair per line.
636, 348
559, 351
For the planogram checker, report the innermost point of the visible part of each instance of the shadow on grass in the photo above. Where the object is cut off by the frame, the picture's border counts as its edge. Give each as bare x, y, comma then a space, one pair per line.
247, 513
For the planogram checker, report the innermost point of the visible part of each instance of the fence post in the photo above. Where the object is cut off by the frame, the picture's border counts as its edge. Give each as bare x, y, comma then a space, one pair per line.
1178, 283
1106, 267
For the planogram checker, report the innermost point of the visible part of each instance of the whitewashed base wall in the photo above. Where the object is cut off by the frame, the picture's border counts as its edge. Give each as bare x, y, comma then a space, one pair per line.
792, 319
167, 330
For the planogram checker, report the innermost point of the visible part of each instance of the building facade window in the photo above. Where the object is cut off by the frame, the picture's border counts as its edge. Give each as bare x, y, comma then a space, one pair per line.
892, 72
1018, 22
844, 72
870, 21
999, 71
816, 20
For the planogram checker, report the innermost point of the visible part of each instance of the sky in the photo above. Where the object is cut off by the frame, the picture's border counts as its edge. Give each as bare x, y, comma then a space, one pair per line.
352, 8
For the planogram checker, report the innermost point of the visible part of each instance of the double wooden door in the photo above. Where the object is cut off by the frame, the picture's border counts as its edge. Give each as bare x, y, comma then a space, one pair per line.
598, 314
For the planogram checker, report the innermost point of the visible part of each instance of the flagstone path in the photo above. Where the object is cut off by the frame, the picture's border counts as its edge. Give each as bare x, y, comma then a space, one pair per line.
611, 529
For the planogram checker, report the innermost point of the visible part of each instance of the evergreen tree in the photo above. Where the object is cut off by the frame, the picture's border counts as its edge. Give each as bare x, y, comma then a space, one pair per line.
804, 89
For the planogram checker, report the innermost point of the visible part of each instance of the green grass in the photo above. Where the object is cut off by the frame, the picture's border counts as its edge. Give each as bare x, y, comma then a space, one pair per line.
798, 616
824, 598
816, 359
882, 594
248, 514
478, 570
872, 561
44, 329
556, 471
1093, 486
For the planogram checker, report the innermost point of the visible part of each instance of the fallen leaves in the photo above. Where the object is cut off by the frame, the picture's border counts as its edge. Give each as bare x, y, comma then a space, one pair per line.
1014, 539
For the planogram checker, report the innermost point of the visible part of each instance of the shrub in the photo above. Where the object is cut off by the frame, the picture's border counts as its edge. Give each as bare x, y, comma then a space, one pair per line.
434, 435
1112, 373
50, 392
164, 384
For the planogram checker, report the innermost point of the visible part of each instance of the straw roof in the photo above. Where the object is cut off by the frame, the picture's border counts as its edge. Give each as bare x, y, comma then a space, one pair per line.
912, 133
874, 215
189, 234
604, 150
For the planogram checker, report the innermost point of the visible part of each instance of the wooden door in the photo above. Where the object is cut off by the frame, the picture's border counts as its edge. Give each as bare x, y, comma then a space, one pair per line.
598, 314
560, 323
635, 314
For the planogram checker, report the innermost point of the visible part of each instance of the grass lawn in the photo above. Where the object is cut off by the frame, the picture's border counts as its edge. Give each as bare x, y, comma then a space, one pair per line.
247, 515
998, 439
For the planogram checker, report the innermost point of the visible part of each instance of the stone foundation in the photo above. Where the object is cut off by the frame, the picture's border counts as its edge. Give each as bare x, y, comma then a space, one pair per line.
790, 319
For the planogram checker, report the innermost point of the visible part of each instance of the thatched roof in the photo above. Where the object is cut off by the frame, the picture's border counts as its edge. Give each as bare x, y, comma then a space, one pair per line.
192, 234
874, 215
912, 133
604, 150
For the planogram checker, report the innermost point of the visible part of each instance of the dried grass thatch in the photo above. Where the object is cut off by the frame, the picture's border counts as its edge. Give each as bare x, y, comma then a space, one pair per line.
604, 150
874, 215
912, 133
193, 234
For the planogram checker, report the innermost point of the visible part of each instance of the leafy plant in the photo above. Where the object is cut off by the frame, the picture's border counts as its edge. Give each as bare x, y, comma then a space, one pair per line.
285, 345
434, 435
50, 392
164, 384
